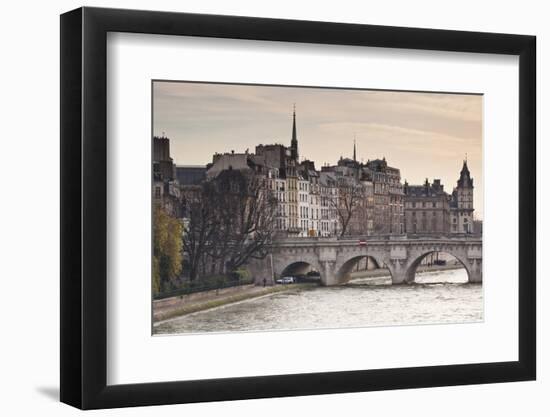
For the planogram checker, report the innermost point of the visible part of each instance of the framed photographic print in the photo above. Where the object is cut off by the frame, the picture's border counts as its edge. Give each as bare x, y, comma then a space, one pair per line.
258, 207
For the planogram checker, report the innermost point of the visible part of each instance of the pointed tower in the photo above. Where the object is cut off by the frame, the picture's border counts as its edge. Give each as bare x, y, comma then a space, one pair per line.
465, 189
294, 141
464, 201
465, 181
354, 151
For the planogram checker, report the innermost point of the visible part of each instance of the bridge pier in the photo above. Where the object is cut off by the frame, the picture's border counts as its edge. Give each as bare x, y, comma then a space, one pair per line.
475, 271
328, 274
398, 271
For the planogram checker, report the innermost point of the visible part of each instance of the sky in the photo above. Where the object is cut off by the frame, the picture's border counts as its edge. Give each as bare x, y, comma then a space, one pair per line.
425, 135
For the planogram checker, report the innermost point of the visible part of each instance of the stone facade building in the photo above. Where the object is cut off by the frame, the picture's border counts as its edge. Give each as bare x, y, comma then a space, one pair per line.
380, 210
429, 209
328, 195
388, 197
426, 208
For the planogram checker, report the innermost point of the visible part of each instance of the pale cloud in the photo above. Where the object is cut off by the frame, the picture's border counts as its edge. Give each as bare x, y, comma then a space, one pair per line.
423, 134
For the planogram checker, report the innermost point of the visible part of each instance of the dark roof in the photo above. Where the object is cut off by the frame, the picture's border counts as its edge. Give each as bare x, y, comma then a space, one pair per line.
377, 164
426, 190
190, 175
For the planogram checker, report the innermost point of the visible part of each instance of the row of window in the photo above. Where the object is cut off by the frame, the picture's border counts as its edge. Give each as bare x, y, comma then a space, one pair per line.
413, 204
465, 228
465, 220
305, 225
424, 213
305, 212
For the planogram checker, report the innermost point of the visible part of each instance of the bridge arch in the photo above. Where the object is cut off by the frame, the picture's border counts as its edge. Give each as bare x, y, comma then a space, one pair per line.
345, 268
293, 261
299, 268
418, 258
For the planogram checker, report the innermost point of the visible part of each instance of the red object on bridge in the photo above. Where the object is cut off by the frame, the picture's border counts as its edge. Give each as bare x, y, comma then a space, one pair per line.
362, 242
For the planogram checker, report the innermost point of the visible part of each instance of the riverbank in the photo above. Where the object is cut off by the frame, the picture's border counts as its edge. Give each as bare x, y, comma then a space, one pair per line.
181, 305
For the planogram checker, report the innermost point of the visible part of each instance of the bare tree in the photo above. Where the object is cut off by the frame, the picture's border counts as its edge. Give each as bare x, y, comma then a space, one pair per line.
246, 212
201, 225
348, 201
230, 220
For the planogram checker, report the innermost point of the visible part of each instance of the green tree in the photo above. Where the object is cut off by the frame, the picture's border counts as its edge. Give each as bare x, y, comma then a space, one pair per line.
167, 249
156, 275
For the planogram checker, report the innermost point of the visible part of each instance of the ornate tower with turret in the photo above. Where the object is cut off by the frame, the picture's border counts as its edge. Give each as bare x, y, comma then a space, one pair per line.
462, 205
465, 188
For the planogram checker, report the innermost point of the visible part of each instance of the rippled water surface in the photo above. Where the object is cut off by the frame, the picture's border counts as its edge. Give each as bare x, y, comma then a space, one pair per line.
437, 297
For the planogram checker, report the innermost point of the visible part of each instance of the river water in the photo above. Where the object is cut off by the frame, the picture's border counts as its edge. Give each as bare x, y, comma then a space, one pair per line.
437, 297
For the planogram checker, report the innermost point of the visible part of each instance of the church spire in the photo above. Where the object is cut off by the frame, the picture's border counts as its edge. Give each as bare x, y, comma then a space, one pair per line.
354, 149
294, 141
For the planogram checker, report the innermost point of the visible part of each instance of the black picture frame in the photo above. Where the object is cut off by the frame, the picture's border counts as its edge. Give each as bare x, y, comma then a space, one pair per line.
84, 207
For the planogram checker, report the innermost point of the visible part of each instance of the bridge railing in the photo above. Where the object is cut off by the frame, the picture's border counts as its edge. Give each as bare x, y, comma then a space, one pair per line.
443, 235
388, 237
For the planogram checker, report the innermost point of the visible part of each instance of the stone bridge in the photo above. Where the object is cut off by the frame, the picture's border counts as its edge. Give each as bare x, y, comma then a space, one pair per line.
335, 258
